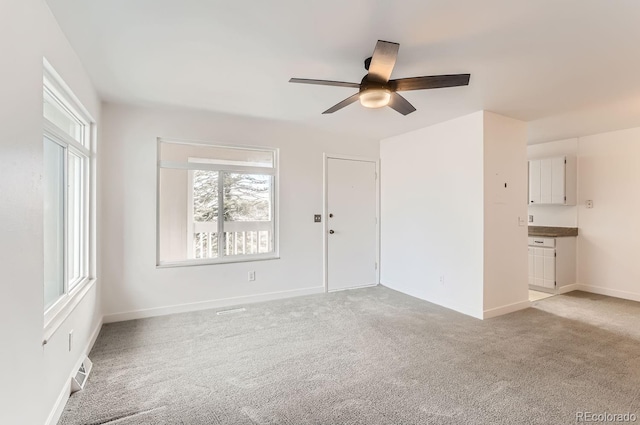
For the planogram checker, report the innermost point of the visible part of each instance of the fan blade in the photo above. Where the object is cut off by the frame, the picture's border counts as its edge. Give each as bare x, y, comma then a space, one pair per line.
400, 104
382, 61
430, 82
324, 83
348, 101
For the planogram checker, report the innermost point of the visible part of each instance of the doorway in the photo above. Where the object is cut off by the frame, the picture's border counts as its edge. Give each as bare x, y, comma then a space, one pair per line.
351, 222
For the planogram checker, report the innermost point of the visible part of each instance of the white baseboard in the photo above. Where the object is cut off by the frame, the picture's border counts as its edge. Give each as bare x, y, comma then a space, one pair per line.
568, 288
632, 296
370, 285
505, 309
205, 305
61, 401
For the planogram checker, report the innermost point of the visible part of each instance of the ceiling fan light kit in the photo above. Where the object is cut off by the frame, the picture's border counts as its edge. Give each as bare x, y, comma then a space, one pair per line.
377, 90
375, 98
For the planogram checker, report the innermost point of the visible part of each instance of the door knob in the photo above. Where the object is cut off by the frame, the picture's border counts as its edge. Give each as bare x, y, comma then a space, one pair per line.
331, 232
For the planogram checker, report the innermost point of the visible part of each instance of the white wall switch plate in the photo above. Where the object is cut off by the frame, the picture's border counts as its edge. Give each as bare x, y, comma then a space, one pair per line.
252, 276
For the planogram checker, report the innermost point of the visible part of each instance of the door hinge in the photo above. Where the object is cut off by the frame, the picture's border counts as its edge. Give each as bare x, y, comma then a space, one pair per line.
565, 198
555, 254
565, 160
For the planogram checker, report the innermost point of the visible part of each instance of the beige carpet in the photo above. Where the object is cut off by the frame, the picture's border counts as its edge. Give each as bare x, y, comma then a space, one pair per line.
368, 356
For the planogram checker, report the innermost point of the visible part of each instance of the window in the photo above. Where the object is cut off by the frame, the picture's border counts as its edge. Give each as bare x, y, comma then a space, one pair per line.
215, 203
67, 158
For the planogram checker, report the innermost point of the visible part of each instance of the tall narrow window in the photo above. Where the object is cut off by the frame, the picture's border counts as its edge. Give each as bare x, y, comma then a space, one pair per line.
216, 203
66, 186
54, 226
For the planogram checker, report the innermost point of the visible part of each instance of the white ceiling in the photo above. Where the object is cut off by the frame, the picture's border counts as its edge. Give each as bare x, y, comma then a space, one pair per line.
570, 67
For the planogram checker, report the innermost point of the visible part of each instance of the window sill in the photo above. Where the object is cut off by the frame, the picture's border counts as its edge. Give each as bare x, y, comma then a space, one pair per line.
227, 260
72, 301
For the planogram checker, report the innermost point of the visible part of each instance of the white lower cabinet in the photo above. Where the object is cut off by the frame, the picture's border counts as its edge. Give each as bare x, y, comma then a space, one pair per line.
552, 262
542, 267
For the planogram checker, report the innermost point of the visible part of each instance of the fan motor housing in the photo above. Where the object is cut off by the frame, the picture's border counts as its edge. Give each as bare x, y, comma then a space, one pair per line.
367, 84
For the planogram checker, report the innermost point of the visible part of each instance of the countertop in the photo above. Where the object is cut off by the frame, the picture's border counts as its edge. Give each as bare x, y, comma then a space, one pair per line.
552, 232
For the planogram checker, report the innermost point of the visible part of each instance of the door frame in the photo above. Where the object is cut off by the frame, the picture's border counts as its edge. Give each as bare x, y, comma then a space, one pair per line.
325, 212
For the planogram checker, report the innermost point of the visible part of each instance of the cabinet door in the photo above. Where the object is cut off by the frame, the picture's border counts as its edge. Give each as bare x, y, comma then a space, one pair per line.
549, 275
538, 266
534, 182
557, 180
546, 167
532, 274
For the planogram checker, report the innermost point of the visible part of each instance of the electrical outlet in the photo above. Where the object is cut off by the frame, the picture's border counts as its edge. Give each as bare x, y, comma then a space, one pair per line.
251, 276
589, 203
70, 339
530, 219
317, 218
441, 279
521, 221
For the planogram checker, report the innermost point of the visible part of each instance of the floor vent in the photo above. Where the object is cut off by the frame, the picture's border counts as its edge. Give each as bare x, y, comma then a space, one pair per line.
232, 311
80, 379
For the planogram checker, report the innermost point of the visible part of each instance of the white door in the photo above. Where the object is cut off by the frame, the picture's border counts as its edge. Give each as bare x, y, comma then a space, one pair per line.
538, 267
532, 273
534, 182
351, 223
549, 268
557, 180
545, 181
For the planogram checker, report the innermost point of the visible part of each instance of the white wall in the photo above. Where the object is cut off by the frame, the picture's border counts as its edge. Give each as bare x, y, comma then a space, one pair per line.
134, 287
505, 202
554, 215
432, 213
449, 229
609, 233
33, 376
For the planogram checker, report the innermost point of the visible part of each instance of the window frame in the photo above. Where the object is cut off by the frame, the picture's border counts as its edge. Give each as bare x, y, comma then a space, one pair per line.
54, 88
201, 164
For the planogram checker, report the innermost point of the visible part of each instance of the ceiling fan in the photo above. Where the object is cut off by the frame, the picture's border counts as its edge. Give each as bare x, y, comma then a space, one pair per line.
377, 90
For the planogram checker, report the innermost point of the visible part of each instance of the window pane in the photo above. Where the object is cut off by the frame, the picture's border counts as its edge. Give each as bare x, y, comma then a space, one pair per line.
205, 196
204, 233
76, 219
248, 212
53, 187
216, 155
62, 118
187, 214
247, 197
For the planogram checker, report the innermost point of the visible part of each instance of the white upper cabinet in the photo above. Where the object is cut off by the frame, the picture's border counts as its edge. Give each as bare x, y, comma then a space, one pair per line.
552, 181
534, 182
